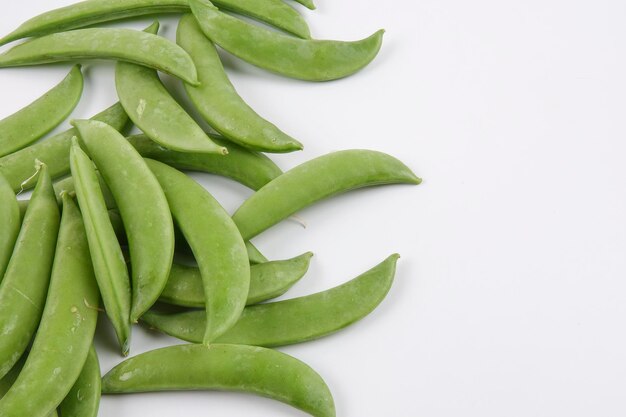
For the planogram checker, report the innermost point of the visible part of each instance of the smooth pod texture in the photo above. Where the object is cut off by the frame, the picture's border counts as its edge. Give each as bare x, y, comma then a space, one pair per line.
307, 3
83, 400
91, 12
217, 101
54, 151
10, 222
142, 205
267, 280
151, 107
249, 168
291, 321
25, 283
315, 180
103, 43
216, 244
42, 115
67, 184
311, 60
254, 255
250, 369
9, 379
67, 326
106, 254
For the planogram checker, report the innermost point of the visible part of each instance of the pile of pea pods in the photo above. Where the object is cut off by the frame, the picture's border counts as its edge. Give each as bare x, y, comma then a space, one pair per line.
109, 214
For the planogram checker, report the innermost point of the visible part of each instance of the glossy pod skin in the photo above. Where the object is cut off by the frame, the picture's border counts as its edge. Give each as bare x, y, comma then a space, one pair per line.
67, 326
118, 44
22, 300
267, 280
216, 244
54, 151
291, 321
311, 60
315, 180
142, 206
250, 369
42, 115
106, 254
251, 169
91, 12
217, 101
83, 400
151, 107
10, 221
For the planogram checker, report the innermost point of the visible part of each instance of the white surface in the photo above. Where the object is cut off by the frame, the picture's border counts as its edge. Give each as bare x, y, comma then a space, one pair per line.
510, 297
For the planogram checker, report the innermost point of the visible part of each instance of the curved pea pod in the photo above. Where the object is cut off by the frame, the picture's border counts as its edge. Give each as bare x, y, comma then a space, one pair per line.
142, 205
291, 321
254, 255
103, 43
106, 253
151, 107
251, 169
305, 59
249, 369
216, 244
22, 300
54, 151
315, 180
307, 3
267, 280
67, 326
9, 379
218, 102
91, 12
83, 400
11, 221
42, 115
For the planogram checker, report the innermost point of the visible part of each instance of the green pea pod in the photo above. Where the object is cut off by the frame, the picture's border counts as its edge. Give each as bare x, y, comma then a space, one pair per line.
67, 184
103, 43
315, 180
305, 59
151, 107
25, 283
91, 12
267, 280
250, 369
251, 169
142, 205
41, 116
54, 152
307, 3
11, 222
67, 326
218, 102
83, 400
9, 379
290, 321
254, 255
106, 254
216, 244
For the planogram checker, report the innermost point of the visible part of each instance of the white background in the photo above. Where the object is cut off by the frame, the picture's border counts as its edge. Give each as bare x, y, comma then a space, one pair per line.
510, 297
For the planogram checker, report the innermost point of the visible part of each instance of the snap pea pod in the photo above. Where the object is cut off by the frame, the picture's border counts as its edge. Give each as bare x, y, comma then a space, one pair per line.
83, 400
305, 59
250, 369
291, 321
42, 115
11, 222
254, 255
67, 184
54, 152
307, 3
267, 280
217, 246
142, 205
151, 107
67, 326
217, 101
315, 180
106, 254
251, 169
25, 283
91, 12
103, 43
9, 379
